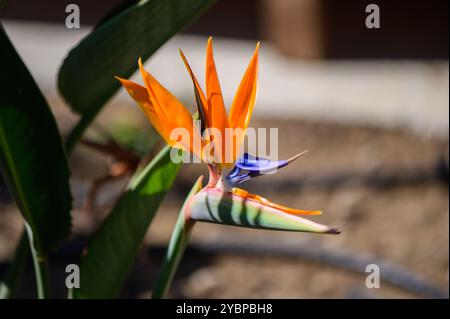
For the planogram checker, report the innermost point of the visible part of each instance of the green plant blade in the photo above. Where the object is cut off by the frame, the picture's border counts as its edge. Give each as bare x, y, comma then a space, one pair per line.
32, 158
176, 247
86, 78
112, 250
215, 206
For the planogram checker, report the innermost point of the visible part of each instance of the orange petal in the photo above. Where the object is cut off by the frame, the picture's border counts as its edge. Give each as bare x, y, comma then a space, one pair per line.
141, 97
244, 194
202, 103
137, 92
167, 113
217, 113
244, 100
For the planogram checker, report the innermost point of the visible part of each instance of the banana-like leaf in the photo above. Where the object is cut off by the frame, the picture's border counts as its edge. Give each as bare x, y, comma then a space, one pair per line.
32, 158
86, 78
113, 248
215, 206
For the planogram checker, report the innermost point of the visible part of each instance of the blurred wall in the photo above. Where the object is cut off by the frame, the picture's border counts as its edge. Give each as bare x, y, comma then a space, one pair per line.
415, 29
336, 29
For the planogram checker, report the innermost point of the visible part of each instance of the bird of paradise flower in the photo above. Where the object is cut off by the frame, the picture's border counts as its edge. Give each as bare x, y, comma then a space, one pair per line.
220, 201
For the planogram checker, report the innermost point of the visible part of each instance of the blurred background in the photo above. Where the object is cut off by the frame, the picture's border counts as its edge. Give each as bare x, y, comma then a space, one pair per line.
370, 105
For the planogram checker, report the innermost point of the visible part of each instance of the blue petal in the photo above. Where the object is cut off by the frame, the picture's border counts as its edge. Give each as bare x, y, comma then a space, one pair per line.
249, 166
237, 176
259, 164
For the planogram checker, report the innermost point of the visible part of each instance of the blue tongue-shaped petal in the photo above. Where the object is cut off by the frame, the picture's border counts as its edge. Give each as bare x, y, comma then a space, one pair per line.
236, 176
249, 166
258, 164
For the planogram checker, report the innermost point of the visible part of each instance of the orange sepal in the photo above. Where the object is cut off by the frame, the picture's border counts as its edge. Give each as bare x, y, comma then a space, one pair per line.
243, 103
217, 113
263, 201
141, 97
202, 102
244, 100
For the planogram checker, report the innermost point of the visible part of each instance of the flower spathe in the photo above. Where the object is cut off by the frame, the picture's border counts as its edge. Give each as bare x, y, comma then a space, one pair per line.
220, 201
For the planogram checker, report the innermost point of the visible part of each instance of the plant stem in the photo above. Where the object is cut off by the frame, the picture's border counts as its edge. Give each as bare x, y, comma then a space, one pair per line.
40, 268
77, 131
175, 250
177, 245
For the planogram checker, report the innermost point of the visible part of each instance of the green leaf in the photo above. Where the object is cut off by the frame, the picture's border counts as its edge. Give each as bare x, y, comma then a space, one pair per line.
111, 252
32, 159
86, 78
